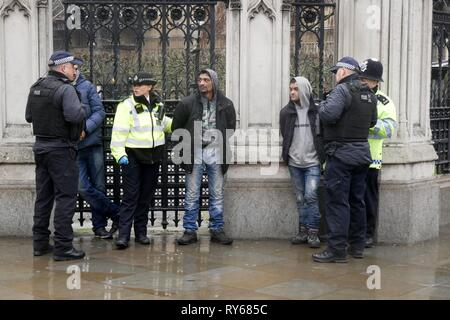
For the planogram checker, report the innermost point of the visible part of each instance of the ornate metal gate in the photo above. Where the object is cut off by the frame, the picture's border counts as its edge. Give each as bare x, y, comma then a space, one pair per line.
314, 49
173, 39
440, 93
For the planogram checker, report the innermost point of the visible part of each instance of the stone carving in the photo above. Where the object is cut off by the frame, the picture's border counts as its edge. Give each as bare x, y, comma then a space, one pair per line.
9, 6
42, 4
235, 5
287, 5
261, 6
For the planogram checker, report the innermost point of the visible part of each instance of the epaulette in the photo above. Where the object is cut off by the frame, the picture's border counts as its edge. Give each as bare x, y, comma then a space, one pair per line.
383, 99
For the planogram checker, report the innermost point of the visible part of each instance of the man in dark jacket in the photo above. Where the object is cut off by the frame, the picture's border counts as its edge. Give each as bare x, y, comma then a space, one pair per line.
347, 114
91, 184
303, 153
210, 119
57, 116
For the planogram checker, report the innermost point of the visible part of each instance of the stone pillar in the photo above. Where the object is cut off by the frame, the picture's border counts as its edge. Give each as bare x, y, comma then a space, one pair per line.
259, 202
25, 45
399, 33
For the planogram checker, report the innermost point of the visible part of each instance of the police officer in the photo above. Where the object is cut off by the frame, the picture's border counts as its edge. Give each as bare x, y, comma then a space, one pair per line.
347, 114
137, 144
57, 116
372, 75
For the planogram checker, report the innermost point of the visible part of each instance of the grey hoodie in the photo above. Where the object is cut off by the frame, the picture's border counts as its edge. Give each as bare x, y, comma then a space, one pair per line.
209, 107
302, 153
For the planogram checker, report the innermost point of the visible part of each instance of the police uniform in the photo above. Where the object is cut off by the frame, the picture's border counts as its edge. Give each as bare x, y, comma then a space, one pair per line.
384, 129
346, 115
57, 117
138, 136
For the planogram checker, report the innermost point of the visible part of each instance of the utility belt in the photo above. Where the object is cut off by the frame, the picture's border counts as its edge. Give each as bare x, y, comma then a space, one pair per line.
147, 155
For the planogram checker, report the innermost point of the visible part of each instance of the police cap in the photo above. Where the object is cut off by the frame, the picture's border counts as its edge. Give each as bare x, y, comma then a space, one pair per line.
372, 69
142, 78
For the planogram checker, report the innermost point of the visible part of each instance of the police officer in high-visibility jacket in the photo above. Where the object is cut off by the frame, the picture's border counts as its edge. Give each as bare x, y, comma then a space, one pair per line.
137, 144
372, 75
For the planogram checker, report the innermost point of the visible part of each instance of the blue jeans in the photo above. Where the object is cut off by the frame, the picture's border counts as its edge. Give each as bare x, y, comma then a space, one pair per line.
216, 182
306, 184
91, 186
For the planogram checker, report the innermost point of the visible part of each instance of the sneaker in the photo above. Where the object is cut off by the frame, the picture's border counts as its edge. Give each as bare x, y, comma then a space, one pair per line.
328, 257
313, 238
370, 243
187, 238
219, 236
301, 237
115, 226
41, 252
102, 233
355, 253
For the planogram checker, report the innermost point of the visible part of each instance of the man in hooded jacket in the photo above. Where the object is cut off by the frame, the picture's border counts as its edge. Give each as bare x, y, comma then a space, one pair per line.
209, 119
303, 153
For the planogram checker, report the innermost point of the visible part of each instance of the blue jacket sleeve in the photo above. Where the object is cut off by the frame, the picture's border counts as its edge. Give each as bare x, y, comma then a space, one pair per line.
330, 110
97, 111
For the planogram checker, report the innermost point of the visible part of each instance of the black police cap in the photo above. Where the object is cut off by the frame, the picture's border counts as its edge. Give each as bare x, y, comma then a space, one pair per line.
142, 78
372, 69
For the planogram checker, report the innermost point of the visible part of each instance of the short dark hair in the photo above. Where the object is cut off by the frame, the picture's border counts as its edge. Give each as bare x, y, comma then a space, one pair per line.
204, 72
293, 81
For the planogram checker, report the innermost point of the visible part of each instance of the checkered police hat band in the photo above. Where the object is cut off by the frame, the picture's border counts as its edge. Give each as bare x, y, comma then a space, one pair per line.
61, 61
345, 65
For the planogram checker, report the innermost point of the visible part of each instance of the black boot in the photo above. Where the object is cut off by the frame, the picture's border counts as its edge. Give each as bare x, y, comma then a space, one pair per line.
313, 238
219, 236
142, 239
328, 257
72, 254
302, 236
121, 243
187, 238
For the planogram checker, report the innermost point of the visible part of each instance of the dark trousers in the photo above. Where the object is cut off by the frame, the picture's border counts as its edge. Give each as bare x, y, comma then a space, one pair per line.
371, 198
346, 213
56, 181
139, 184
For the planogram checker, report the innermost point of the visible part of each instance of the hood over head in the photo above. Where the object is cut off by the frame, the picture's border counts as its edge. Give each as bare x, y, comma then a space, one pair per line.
304, 91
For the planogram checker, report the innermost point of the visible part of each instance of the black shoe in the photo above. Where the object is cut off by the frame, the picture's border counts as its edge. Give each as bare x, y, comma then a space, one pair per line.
187, 238
38, 253
313, 238
121, 243
72, 254
142, 240
301, 237
102, 233
357, 254
328, 257
115, 226
219, 236
370, 243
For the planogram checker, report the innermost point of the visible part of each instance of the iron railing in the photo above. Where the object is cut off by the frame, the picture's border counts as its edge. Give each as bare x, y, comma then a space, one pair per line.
440, 93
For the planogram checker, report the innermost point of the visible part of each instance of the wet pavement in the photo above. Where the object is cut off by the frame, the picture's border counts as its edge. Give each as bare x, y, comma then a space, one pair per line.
247, 270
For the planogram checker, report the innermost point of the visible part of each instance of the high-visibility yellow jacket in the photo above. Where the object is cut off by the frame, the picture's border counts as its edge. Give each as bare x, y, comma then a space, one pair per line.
139, 130
384, 129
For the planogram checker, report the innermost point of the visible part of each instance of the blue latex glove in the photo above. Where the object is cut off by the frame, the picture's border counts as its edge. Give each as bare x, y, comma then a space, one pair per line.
124, 161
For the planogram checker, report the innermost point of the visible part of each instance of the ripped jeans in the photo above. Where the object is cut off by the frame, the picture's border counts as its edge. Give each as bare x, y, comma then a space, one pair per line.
306, 184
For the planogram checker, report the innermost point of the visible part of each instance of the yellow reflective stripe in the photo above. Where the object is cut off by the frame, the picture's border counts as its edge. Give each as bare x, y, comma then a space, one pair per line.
141, 143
